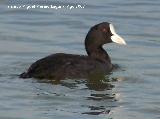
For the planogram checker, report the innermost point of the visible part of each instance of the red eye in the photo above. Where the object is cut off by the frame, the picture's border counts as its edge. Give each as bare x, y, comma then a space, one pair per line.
104, 30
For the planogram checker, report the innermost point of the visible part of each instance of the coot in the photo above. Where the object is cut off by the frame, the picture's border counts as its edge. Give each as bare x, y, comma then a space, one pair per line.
62, 66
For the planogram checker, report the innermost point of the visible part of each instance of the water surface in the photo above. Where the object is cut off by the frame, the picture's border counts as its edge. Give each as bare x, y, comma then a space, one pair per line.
128, 93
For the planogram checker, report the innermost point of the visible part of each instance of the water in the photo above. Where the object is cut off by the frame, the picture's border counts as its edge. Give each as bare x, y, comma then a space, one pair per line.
131, 92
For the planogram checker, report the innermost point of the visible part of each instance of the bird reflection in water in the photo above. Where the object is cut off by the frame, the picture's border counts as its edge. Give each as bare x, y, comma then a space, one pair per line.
100, 86
100, 92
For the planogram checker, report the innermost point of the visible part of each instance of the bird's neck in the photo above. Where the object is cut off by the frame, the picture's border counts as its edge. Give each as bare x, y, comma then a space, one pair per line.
98, 53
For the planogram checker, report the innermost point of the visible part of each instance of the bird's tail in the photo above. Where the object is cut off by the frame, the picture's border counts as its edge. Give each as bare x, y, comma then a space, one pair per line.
24, 75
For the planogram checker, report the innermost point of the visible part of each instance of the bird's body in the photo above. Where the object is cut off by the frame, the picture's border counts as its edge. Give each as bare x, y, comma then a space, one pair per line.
62, 66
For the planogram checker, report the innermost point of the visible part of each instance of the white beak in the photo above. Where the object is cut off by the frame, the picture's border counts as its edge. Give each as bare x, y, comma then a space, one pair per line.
115, 37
